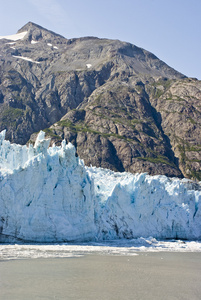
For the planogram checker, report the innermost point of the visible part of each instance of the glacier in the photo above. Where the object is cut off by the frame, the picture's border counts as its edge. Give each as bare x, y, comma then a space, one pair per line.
47, 194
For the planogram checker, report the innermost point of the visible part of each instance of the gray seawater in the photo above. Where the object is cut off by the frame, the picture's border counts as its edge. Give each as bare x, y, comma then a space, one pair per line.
157, 275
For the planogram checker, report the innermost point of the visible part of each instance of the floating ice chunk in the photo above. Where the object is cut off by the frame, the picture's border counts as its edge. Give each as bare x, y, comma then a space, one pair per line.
118, 247
14, 37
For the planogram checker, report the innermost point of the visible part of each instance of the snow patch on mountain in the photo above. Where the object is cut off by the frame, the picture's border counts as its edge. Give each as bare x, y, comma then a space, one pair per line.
26, 58
14, 37
88, 66
48, 195
12, 43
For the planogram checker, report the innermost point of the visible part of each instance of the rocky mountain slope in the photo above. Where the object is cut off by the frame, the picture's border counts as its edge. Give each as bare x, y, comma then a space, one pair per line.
121, 106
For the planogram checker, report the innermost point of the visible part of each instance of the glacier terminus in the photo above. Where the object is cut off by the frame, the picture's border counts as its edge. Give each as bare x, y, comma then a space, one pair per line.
47, 194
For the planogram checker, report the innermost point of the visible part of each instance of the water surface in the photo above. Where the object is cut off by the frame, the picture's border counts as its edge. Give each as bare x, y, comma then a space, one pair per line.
147, 275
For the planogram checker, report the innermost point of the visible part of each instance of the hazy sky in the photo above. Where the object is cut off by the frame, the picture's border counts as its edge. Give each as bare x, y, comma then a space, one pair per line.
170, 29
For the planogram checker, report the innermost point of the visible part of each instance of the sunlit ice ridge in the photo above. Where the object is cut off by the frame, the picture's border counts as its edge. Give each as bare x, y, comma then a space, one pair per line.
47, 194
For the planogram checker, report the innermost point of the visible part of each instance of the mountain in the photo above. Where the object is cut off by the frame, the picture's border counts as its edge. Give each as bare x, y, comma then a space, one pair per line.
122, 107
49, 195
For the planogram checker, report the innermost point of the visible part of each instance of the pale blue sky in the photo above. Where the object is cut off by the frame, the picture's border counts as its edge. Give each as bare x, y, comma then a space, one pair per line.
169, 29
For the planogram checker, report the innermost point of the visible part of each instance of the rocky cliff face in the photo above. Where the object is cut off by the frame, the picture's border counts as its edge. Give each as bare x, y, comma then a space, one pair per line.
121, 106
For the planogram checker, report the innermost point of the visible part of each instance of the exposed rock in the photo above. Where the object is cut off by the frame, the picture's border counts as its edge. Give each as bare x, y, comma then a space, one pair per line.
121, 106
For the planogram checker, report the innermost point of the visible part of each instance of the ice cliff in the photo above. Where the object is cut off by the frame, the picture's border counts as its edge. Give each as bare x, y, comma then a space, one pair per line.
45, 193
48, 195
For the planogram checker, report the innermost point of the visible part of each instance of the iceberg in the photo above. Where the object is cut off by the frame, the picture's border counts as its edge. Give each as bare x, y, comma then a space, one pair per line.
47, 194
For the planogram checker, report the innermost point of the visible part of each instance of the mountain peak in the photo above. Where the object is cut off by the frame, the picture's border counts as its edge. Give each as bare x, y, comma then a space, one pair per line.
30, 25
38, 32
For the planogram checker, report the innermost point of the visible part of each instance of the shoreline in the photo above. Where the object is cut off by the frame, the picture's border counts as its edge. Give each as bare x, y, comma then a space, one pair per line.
113, 248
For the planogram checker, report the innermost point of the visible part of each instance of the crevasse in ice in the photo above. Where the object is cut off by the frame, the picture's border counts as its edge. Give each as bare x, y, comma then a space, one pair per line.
48, 195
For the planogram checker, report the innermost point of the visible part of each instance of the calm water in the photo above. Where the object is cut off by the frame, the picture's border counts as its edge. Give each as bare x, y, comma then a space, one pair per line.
105, 277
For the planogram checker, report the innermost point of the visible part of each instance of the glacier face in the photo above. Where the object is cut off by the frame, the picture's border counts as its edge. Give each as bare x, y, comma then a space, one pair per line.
48, 195
45, 193
132, 206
